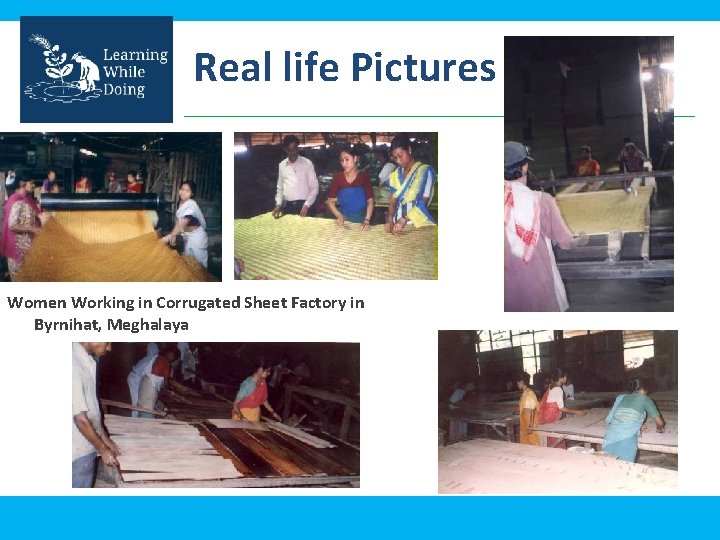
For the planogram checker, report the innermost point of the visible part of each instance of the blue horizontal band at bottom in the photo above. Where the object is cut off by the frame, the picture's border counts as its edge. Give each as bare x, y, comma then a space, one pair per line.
357, 516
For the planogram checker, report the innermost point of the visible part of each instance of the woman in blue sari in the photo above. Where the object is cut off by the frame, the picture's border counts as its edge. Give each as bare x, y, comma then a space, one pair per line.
626, 419
351, 196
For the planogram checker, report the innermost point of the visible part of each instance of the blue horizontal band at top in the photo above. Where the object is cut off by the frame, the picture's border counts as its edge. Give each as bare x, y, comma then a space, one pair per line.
419, 10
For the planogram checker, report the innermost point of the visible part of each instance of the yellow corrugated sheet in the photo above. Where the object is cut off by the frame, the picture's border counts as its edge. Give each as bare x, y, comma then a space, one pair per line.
96, 227
600, 212
315, 248
105, 246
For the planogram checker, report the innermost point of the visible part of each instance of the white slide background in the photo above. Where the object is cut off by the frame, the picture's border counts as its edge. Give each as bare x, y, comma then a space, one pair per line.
398, 329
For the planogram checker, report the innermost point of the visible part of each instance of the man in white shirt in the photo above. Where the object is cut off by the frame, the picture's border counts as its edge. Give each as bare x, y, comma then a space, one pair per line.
89, 438
297, 185
387, 167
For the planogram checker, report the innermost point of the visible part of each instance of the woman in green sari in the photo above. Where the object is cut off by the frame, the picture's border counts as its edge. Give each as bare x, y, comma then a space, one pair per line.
626, 419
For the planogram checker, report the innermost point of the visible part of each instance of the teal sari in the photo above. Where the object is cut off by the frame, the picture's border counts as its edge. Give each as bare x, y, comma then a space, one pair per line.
624, 424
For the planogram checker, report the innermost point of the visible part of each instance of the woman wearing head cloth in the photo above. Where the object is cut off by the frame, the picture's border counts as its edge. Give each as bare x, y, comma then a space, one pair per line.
626, 419
532, 224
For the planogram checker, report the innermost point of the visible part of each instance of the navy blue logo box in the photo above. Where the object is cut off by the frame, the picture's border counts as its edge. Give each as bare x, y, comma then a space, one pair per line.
96, 69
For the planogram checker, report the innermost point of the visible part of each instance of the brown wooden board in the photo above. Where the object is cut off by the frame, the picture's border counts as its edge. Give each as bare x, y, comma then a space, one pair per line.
343, 452
303, 436
263, 454
266, 452
257, 465
224, 451
283, 451
329, 460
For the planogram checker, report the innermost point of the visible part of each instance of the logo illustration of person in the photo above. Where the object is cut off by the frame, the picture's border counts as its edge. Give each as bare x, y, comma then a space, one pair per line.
89, 72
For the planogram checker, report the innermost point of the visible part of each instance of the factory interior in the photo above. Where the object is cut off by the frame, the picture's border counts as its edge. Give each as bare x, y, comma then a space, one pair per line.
499, 434
315, 247
88, 211
579, 103
190, 439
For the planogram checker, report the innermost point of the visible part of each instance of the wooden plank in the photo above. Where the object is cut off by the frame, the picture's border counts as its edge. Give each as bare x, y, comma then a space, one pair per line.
190, 465
343, 452
221, 449
165, 450
257, 465
127, 420
227, 423
178, 475
300, 435
278, 481
283, 451
495, 467
121, 405
267, 453
332, 461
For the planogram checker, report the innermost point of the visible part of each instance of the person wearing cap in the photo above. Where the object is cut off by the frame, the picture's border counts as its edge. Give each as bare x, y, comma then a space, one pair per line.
532, 224
627, 418
586, 165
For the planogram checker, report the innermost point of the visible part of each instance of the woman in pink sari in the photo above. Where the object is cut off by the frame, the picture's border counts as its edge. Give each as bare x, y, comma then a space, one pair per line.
552, 406
22, 219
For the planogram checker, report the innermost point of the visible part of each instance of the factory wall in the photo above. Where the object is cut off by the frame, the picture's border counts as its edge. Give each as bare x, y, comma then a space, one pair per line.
457, 357
600, 102
230, 363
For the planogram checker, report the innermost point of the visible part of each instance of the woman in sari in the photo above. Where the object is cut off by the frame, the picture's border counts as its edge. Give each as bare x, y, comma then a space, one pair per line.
190, 224
83, 185
252, 394
552, 406
21, 221
626, 419
411, 186
351, 196
528, 406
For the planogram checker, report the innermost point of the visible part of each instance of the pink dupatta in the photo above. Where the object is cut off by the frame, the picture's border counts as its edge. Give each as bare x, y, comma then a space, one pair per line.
7, 237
